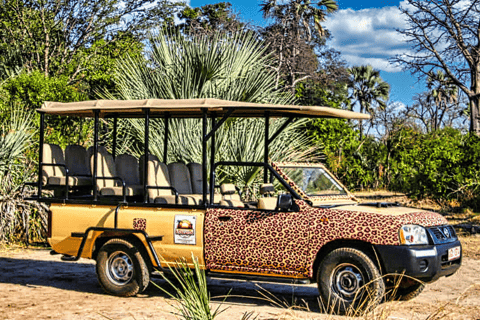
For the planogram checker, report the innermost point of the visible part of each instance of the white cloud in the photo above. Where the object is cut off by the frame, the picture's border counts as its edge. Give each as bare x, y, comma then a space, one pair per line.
368, 36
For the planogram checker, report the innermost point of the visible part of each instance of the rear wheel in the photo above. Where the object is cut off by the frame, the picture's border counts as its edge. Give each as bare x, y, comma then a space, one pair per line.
121, 269
349, 282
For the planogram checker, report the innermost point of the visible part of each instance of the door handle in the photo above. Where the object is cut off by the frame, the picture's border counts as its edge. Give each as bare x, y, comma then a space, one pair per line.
224, 218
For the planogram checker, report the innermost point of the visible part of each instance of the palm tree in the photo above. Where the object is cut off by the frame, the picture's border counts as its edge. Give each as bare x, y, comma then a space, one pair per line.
299, 13
442, 91
368, 89
181, 67
291, 36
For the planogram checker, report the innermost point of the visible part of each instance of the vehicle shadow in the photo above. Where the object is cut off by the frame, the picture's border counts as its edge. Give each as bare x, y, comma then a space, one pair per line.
80, 276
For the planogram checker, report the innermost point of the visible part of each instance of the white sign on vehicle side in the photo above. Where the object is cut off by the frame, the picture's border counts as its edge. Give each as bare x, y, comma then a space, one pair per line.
184, 229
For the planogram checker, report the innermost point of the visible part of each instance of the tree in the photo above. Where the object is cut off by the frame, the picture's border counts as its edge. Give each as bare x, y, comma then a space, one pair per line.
432, 116
210, 19
368, 89
444, 35
53, 35
219, 66
292, 38
443, 93
300, 13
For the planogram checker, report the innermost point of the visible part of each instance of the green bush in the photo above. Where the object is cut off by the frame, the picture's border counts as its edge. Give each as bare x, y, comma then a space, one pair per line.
443, 165
32, 89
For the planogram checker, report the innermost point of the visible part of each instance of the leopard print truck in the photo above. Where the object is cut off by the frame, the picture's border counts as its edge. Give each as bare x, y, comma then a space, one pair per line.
286, 243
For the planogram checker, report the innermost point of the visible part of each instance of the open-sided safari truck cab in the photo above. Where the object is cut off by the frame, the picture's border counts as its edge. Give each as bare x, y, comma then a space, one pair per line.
139, 216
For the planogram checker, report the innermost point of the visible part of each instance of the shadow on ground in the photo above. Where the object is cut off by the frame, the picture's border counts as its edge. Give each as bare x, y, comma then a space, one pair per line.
81, 277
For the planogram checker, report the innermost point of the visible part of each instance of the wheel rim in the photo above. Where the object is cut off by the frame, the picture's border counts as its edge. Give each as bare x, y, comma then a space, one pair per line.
346, 280
119, 268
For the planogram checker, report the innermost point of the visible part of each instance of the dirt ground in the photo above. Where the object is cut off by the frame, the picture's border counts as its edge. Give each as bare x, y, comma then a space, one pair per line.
36, 285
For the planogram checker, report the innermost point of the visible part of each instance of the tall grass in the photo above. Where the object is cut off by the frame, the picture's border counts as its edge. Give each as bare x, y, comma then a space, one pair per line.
191, 293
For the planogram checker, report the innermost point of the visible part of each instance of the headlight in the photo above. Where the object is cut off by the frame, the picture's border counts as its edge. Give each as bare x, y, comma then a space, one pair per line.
411, 234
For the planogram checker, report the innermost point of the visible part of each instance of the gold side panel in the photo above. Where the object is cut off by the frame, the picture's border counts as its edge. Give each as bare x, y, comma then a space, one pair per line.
154, 221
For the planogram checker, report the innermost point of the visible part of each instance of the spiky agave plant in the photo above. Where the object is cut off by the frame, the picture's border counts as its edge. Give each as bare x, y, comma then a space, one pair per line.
232, 68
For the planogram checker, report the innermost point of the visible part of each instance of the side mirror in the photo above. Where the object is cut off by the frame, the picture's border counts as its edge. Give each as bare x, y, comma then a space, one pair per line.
284, 202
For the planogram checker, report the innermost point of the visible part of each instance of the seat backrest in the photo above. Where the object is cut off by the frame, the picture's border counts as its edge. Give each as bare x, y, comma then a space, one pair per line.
157, 176
105, 168
267, 189
52, 153
141, 161
77, 160
228, 191
196, 177
269, 203
180, 177
127, 169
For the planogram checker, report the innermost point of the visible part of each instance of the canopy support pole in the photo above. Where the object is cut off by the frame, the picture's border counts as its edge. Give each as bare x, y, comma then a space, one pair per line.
145, 158
165, 138
218, 125
212, 159
114, 147
280, 130
204, 155
265, 155
95, 155
40, 156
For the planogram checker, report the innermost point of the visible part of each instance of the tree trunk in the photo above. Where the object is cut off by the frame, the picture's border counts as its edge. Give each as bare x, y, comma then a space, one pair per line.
474, 115
475, 99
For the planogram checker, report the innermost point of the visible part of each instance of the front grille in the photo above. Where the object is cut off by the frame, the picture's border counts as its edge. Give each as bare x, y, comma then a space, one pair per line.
443, 234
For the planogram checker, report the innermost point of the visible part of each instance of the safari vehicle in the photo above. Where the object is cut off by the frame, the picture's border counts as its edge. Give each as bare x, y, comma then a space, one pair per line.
141, 216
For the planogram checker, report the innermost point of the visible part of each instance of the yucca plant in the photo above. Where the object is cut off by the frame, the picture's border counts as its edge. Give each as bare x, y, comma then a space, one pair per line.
18, 219
232, 68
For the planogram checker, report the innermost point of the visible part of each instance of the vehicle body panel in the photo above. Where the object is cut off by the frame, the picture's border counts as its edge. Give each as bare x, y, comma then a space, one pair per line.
154, 221
287, 243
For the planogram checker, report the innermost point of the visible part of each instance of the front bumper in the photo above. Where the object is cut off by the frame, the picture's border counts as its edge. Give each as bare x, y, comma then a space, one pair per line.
426, 263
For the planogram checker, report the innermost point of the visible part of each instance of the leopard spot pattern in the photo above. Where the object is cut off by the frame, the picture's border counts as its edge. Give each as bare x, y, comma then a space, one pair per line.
139, 224
286, 243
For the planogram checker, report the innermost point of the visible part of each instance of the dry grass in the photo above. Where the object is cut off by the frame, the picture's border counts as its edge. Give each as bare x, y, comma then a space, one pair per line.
471, 246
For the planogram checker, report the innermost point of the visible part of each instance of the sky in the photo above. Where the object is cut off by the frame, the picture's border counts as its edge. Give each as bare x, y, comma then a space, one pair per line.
364, 32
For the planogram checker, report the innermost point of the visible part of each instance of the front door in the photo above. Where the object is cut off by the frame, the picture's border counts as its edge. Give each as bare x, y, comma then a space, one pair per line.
256, 242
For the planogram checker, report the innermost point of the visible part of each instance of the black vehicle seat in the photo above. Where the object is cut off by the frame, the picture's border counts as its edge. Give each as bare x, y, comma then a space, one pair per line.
267, 201
230, 198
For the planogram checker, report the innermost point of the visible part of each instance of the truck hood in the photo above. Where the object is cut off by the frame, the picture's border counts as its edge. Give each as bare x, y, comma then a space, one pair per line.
391, 210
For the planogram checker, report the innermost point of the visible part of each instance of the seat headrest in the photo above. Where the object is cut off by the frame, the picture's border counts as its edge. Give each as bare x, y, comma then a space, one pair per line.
267, 188
227, 188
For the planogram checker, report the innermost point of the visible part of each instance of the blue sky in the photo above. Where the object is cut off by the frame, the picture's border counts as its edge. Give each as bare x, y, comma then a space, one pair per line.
364, 32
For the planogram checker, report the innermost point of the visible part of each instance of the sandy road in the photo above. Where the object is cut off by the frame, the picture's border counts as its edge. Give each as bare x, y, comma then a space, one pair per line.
36, 285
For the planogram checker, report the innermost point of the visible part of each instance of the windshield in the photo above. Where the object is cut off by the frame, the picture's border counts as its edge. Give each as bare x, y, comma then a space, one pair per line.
314, 181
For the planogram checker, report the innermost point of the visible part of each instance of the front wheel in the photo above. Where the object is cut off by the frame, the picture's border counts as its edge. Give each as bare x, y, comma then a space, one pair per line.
121, 270
403, 288
349, 282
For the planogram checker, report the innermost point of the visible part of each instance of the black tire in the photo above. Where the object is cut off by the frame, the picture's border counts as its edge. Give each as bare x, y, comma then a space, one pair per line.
121, 269
349, 282
403, 289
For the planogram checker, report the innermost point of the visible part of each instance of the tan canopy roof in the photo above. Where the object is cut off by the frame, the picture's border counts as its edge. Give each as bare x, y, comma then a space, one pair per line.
190, 108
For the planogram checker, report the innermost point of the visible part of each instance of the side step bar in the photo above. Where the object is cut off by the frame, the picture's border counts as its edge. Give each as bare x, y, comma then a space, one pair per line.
219, 275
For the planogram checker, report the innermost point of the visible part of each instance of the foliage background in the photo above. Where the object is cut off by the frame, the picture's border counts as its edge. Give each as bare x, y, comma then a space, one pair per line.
398, 151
